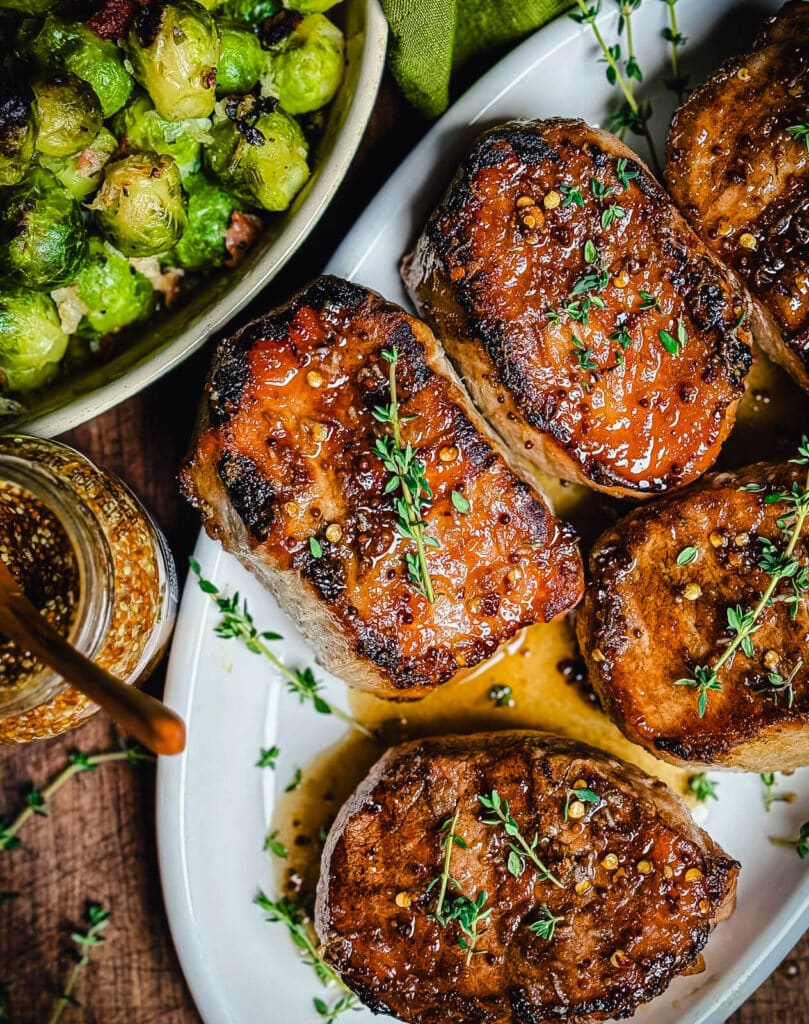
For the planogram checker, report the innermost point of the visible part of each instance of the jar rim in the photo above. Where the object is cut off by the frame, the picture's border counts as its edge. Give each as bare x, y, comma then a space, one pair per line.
95, 569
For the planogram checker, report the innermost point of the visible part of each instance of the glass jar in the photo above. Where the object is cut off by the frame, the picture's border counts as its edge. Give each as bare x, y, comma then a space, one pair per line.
95, 564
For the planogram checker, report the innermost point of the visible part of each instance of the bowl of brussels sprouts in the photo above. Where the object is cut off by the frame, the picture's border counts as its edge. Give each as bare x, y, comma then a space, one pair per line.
160, 160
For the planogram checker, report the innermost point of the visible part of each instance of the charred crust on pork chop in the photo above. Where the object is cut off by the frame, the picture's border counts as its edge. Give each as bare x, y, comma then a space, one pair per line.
495, 276
647, 621
640, 885
285, 474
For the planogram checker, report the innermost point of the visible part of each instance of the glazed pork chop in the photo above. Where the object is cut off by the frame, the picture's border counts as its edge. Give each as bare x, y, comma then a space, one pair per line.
617, 899
738, 166
591, 326
667, 590
288, 473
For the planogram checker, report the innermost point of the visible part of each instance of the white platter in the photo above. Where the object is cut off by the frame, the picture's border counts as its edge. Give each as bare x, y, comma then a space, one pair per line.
214, 804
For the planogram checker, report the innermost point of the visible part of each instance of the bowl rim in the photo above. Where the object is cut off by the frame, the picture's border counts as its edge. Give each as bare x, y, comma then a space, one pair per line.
113, 392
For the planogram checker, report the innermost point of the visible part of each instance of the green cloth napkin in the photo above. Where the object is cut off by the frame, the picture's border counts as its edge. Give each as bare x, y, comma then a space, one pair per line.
431, 38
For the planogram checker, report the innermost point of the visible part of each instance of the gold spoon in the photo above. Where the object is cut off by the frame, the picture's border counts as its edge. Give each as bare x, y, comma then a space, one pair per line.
147, 719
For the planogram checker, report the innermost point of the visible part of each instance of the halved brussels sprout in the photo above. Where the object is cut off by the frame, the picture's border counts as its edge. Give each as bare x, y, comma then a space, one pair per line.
18, 131
304, 67
140, 206
71, 45
141, 127
31, 339
42, 235
173, 48
203, 243
260, 157
240, 60
114, 293
69, 115
81, 173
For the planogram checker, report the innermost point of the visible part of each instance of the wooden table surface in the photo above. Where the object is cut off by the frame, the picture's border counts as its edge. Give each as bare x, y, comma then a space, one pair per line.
98, 841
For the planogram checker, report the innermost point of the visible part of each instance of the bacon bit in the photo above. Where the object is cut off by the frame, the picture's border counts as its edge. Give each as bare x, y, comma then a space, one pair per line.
90, 162
242, 231
113, 18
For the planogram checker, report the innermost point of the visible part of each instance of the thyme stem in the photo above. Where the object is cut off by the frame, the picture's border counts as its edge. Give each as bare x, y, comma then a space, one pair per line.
97, 920
78, 763
775, 579
442, 892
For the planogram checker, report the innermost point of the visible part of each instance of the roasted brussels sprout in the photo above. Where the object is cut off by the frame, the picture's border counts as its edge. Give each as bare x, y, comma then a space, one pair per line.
140, 126
75, 48
140, 206
42, 235
31, 339
305, 68
17, 132
259, 157
173, 48
310, 6
203, 243
68, 113
248, 12
81, 173
111, 290
240, 60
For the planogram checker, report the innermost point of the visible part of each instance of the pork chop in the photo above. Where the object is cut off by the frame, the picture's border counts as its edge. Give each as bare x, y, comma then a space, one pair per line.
668, 586
288, 474
738, 166
627, 890
592, 327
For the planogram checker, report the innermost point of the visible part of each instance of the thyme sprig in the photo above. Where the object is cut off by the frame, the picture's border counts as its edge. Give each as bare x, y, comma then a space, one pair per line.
96, 919
284, 911
778, 565
769, 782
545, 926
520, 850
237, 623
580, 796
703, 788
451, 904
36, 800
676, 81
800, 845
632, 114
800, 131
407, 475
778, 685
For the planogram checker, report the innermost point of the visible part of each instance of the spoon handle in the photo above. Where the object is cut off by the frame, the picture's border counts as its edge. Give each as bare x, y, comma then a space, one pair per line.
153, 724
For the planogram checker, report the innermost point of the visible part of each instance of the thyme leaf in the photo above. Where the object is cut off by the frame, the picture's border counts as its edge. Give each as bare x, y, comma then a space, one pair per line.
520, 850
96, 919
545, 926
237, 623
702, 787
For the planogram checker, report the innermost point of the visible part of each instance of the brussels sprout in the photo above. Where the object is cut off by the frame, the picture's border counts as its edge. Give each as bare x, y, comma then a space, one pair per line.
140, 205
81, 173
75, 48
203, 243
174, 48
141, 127
114, 293
305, 68
42, 236
248, 12
310, 6
17, 133
259, 157
69, 115
240, 60
31, 339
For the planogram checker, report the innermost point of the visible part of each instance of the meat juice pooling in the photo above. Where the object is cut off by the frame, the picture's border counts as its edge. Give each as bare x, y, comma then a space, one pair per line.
94, 563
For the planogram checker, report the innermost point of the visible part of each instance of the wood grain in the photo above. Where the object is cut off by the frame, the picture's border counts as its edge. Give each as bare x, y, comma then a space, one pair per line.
98, 841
